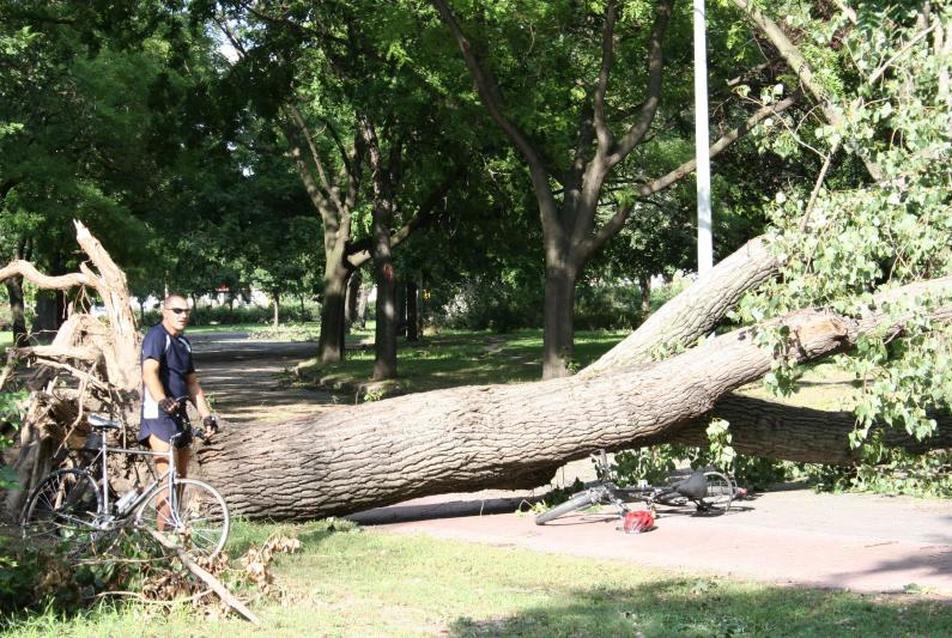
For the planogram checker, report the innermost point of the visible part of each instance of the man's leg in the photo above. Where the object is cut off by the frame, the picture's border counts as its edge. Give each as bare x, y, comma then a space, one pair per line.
162, 517
182, 456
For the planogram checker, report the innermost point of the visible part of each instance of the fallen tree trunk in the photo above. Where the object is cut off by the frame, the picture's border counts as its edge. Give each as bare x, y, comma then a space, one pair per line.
505, 436
695, 312
473, 437
795, 433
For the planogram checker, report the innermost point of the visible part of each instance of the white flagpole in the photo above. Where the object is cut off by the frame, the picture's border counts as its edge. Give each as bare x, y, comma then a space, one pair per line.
705, 242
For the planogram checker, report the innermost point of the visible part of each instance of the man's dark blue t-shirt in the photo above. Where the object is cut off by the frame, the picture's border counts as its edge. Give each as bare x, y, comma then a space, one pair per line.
174, 355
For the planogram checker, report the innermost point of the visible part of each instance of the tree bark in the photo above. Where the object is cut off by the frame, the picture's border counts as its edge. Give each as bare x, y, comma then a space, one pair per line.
385, 337
385, 333
413, 315
401, 301
330, 348
794, 433
362, 301
644, 288
17, 310
558, 328
353, 294
276, 305
501, 436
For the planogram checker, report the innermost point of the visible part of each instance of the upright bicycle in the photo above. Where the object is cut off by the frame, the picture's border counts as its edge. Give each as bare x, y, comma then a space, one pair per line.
710, 492
77, 508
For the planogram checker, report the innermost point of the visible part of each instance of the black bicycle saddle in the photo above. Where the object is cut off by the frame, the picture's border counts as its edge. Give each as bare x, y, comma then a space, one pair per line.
694, 486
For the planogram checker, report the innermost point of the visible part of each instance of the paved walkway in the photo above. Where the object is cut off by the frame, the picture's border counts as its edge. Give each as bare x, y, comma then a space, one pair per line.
244, 378
858, 542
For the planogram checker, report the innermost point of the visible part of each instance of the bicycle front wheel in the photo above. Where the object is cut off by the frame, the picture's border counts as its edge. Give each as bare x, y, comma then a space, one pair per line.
64, 508
196, 517
719, 495
576, 502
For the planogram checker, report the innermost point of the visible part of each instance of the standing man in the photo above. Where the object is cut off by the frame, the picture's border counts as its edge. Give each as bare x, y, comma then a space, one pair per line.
168, 380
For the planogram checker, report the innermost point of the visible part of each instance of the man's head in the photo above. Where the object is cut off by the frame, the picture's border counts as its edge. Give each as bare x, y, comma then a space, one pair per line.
175, 313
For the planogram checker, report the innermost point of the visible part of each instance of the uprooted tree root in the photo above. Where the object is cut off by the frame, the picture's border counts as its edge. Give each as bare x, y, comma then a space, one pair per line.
92, 365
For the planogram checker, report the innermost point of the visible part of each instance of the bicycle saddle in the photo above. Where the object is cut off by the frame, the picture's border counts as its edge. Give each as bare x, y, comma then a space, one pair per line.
694, 486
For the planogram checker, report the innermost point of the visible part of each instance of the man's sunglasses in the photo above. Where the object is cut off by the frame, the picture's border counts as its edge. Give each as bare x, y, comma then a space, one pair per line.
180, 311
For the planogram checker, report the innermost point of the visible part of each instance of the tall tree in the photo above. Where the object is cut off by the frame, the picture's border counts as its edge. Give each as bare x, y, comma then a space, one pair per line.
344, 83
609, 127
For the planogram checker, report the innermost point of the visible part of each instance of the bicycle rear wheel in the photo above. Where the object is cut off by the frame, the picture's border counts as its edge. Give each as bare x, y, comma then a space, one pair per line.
576, 502
199, 520
64, 508
719, 495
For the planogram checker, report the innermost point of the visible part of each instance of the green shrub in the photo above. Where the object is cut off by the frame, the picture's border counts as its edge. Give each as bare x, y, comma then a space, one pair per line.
895, 472
654, 464
223, 315
484, 304
607, 307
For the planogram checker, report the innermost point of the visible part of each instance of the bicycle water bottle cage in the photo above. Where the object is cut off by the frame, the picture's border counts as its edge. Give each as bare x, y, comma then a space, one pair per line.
694, 486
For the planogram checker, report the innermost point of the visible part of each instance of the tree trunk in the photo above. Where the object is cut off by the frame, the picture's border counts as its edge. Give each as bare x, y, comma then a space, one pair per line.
401, 301
330, 348
362, 301
17, 310
276, 304
794, 433
413, 315
506, 436
353, 293
696, 311
385, 338
558, 332
644, 287
385, 334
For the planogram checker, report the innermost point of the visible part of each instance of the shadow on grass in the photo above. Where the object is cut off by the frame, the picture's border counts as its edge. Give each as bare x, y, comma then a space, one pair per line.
702, 607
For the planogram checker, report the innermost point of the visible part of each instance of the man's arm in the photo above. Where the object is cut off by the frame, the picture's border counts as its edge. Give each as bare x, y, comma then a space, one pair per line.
197, 395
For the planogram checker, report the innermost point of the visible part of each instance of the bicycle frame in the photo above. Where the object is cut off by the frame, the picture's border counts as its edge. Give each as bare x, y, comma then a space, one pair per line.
607, 491
170, 476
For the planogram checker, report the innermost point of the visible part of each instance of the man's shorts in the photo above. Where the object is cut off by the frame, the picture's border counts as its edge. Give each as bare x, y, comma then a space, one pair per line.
163, 427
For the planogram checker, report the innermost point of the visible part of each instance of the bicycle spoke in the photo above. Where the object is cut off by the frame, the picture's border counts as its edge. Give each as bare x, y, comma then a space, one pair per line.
196, 515
64, 508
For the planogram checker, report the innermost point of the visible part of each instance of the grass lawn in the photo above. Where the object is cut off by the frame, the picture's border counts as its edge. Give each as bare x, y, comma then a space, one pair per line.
292, 331
361, 582
453, 358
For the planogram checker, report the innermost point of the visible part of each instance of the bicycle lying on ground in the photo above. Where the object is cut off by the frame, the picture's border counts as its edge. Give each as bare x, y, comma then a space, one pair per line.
76, 508
710, 492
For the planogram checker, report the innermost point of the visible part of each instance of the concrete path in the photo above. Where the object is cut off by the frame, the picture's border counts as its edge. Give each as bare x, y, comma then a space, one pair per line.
244, 377
846, 541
